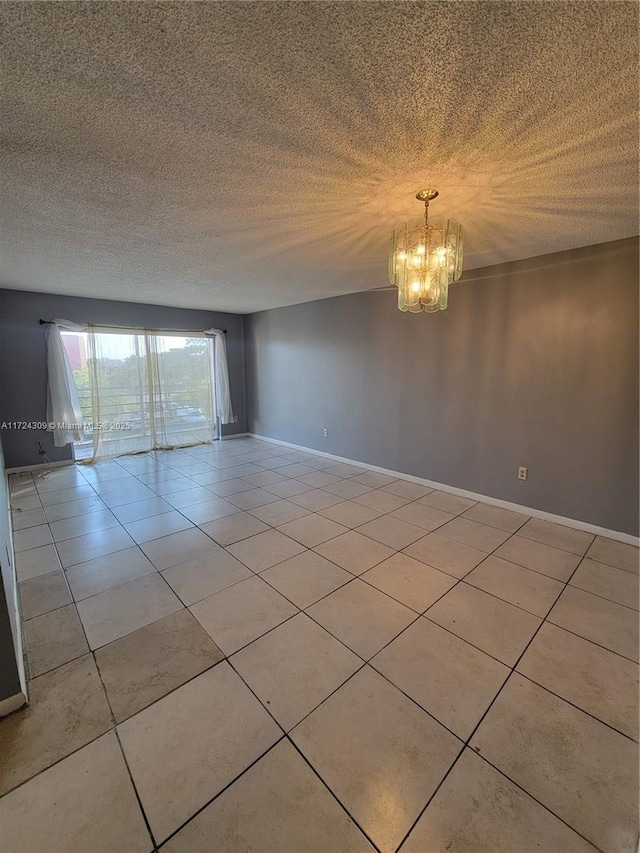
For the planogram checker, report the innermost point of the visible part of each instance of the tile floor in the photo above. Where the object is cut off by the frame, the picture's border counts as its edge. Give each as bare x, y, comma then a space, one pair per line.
244, 647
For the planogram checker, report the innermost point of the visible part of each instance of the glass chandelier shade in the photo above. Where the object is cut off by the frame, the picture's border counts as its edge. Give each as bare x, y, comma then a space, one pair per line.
424, 259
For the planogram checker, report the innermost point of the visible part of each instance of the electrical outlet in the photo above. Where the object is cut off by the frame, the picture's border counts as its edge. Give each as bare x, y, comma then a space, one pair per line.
523, 473
325, 432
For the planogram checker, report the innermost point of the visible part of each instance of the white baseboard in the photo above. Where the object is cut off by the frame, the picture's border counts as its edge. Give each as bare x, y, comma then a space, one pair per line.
64, 464
526, 510
236, 435
13, 703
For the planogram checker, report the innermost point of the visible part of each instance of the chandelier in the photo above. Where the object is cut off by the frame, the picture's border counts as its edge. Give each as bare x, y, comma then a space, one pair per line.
424, 259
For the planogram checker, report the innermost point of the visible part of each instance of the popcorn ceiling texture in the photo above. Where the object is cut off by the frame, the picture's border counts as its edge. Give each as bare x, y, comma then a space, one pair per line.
245, 155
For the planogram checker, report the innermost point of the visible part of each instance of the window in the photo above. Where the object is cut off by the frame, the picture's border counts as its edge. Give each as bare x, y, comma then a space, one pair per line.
140, 390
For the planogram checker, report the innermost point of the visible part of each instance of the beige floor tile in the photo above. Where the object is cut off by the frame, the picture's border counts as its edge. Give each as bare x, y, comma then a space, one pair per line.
234, 527
115, 484
441, 553
319, 479
166, 482
380, 754
210, 476
598, 681
36, 562
479, 810
315, 500
363, 618
22, 519
541, 558
354, 552
140, 509
613, 553
493, 625
582, 770
347, 489
312, 530
288, 488
210, 510
278, 805
242, 469
265, 478
381, 501
60, 496
147, 664
607, 582
525, 588
157, 526
265, 550
132, 494
42, 594
84, 803
32, 537
479, 536
178, 548
343, 469
189, 497
93, 545
350, 514
409, 581
230, 487
103, 573
447, 502
119, 611
56, 512
25, 502
279, 512
67, 709
596, 619
185, 748
293, 668
239, 614
295, 469
374, 479
305, 578
421, 515
391, 531
252, 499
407, 489
61, 478
80, 525
556, 535
52, 639
495, 516
205, 575
449, 678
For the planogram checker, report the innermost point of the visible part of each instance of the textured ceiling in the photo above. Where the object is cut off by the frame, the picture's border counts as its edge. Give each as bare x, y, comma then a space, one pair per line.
246, 155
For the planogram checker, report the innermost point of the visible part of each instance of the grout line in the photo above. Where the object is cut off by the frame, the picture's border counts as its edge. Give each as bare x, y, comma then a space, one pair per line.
577, 707
484, 715
365, 662
135, 789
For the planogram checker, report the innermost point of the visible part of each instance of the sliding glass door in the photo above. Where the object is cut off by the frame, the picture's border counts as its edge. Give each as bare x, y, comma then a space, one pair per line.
140, 390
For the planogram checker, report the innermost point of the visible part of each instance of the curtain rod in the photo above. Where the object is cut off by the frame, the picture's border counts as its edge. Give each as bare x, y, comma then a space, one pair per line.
130, 328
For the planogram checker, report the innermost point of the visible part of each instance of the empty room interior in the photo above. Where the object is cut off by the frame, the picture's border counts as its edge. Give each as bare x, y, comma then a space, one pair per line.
286, 568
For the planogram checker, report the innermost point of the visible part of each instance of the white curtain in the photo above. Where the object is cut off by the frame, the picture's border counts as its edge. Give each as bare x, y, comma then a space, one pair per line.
224, 409
63, 408
150, 390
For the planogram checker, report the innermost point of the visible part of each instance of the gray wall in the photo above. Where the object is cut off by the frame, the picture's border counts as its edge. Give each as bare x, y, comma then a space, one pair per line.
23, 371
534, 363
9, 677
